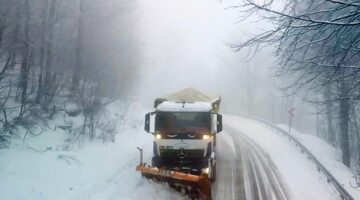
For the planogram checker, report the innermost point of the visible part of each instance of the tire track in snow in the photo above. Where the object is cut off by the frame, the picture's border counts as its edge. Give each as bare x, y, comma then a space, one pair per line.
265, 181
229, 172
248, 170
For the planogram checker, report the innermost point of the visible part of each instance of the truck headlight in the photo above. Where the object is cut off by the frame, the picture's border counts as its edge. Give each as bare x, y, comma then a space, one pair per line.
205, 171
205, 137
158, 136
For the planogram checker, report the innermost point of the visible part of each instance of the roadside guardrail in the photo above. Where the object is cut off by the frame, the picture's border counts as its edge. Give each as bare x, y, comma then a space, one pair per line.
320, 167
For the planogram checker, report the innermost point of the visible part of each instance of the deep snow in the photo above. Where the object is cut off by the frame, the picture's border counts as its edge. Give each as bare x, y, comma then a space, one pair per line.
39, 168
329, 156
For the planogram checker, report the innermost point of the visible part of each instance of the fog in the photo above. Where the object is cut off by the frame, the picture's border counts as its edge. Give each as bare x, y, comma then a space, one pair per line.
78, 76
92, 51
186, 44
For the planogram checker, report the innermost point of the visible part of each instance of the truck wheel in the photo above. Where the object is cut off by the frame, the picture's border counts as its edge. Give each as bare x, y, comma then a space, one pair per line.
212, 171
214, 174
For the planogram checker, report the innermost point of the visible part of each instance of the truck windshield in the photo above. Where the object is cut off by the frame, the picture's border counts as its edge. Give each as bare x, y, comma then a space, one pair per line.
183, 122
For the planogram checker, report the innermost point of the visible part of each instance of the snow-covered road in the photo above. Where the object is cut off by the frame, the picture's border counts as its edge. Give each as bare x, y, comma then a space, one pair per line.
253, 163
245, 171
281, 171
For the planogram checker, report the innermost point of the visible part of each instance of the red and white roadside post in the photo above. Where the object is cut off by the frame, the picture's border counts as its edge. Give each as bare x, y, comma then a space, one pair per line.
291, 116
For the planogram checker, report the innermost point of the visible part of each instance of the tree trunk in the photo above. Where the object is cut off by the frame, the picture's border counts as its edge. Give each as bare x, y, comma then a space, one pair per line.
344, 122
2, 29
44, 27
6, 66
13, 59
318, 131
26, 59
16, 35
357, 134
327, 96
49, 48
79, 55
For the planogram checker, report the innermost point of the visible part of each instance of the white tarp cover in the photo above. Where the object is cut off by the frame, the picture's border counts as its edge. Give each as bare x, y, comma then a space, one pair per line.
192, 95
188, 107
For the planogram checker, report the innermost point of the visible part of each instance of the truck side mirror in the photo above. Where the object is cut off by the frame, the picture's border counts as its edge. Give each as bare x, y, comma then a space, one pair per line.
219, 126
147, 122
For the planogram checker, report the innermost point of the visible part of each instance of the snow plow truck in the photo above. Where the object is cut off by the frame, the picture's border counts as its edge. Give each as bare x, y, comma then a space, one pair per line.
184, 125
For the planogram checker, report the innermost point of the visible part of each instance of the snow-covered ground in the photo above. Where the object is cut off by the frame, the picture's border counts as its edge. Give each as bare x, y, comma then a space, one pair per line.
40, 168
297, 171
329, 156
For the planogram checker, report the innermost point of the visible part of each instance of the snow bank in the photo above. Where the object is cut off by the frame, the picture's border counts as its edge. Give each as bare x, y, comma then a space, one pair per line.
297, 172
329, 156
39, 168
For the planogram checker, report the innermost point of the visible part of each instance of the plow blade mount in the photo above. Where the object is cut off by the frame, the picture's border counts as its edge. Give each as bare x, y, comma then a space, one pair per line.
196, 187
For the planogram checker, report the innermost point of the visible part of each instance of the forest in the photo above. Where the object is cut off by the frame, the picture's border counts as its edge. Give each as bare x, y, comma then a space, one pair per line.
317, 45
62, 56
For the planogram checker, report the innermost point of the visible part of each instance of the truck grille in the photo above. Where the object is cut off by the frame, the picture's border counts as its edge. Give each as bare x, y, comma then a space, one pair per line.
183, 136
178, 153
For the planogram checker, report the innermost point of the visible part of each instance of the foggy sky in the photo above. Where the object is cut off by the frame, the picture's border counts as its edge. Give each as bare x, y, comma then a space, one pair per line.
183, 44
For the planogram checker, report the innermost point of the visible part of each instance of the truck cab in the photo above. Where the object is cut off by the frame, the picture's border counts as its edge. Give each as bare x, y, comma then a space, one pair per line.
185, 135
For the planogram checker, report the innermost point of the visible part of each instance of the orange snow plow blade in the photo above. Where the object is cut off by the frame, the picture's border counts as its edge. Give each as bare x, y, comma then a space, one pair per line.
197, 187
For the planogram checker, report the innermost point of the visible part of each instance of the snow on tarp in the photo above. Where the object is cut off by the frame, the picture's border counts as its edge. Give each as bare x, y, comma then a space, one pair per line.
191, 95
188, 107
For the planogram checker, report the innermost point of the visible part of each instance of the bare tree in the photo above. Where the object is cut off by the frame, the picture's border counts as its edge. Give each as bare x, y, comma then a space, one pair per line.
318, 43
54, 50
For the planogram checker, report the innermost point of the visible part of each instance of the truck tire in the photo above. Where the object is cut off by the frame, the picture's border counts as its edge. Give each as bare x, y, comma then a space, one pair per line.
212, 171
213, 174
